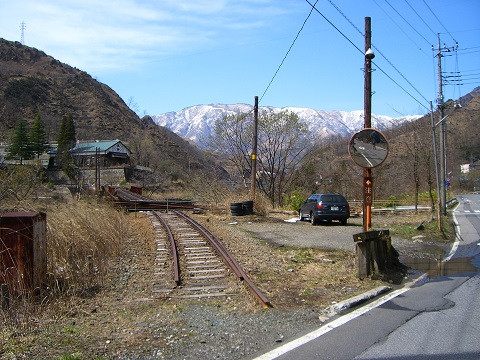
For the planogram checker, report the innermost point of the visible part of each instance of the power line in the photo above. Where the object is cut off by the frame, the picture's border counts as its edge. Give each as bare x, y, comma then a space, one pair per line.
408, 23
465, 83
466, 30
470, 52
462, 78
401, 29
463, 71
359, 50
396, 83
456, 69
288, 51
336, 28
436, 17
469, 48
421, 18
377, 49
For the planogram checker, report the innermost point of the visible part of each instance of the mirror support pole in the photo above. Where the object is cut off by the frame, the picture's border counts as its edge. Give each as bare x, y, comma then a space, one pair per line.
367, 96
254, 149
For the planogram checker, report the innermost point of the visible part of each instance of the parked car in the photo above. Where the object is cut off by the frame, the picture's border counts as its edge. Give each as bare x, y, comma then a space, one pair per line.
326, 207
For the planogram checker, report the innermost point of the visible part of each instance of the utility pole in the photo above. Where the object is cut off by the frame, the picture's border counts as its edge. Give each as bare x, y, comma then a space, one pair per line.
443, 129
367, 97
437, 174
97, 171
254, 149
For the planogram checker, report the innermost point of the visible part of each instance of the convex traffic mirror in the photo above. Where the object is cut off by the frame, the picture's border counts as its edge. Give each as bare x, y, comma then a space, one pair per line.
368, 148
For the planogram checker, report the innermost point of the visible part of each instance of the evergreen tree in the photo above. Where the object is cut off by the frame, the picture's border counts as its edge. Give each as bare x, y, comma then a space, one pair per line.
71, 136
20, 143
37, 136
66, 140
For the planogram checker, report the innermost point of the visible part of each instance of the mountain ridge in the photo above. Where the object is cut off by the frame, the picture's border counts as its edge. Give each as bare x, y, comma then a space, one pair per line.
196, 122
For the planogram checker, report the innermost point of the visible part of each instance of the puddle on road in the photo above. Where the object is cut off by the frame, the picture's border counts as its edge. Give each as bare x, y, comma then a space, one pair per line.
440, 268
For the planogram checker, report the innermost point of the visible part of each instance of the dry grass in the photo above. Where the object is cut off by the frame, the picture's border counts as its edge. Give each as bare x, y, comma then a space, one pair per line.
83, 238
101, 268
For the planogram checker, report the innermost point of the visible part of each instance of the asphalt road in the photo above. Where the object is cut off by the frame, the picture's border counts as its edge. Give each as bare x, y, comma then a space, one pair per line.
437, 319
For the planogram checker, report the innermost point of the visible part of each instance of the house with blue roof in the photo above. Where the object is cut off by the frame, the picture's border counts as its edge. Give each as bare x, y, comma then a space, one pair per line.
105, 153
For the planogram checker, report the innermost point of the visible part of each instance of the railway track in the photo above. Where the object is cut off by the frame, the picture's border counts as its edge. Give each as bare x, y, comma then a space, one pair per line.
192, 263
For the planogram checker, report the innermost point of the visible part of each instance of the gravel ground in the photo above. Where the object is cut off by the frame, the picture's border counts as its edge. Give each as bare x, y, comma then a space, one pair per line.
335, 236
128, 322
210, 333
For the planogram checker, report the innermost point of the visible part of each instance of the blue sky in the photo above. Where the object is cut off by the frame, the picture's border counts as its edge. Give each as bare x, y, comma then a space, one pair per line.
166, 55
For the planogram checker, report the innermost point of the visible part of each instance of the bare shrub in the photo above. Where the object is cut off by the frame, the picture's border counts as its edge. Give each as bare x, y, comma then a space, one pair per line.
262, 206
210, 191
18, 185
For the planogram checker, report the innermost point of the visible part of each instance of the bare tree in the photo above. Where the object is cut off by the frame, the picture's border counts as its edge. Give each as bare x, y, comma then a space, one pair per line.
283, 142
232, 141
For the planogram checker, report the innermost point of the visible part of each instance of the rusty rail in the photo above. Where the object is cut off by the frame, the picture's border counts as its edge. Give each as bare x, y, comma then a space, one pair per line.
173, 249
228, 259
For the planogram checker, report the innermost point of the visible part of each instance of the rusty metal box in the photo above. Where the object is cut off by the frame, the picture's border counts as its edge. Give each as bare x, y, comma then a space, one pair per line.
23, 251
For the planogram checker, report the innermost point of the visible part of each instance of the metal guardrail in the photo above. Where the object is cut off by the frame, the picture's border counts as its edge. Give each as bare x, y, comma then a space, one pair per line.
386, 205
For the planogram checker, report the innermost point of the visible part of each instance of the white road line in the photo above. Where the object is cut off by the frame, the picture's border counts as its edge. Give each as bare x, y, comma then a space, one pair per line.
330, 326
273, 354
454, 248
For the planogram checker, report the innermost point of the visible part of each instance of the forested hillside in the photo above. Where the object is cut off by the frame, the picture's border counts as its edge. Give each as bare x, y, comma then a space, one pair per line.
409, 165
32, 82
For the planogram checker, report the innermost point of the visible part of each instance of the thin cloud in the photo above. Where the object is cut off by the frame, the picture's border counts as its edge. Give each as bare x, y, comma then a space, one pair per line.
97, 35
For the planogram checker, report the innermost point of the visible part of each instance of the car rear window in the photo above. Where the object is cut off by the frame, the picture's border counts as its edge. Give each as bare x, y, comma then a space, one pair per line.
333, 198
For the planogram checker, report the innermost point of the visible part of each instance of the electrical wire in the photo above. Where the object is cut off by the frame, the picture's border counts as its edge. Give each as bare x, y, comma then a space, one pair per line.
470, 52
463, 83
469, 48
408, 23
396, 83
377, 49
464, 71
356, 47
288, 51
421, 18
436, 17
456, 69
336, 28
401, 29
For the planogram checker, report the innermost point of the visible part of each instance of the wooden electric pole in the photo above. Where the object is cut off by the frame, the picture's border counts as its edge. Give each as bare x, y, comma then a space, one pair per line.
367, 97
443, 129
254, 149
97, 171
437, 173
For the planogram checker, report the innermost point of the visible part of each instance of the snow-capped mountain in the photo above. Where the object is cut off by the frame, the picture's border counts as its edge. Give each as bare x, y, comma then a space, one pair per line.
196, 123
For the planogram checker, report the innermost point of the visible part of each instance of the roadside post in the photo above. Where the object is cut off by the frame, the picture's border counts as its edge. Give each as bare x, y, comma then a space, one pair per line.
254, 149
368, 149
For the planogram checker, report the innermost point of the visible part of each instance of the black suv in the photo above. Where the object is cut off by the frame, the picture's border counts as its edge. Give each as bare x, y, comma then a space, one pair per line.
325, 207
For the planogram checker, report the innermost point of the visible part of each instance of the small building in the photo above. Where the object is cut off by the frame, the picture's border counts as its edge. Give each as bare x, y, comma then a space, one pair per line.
106, 153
